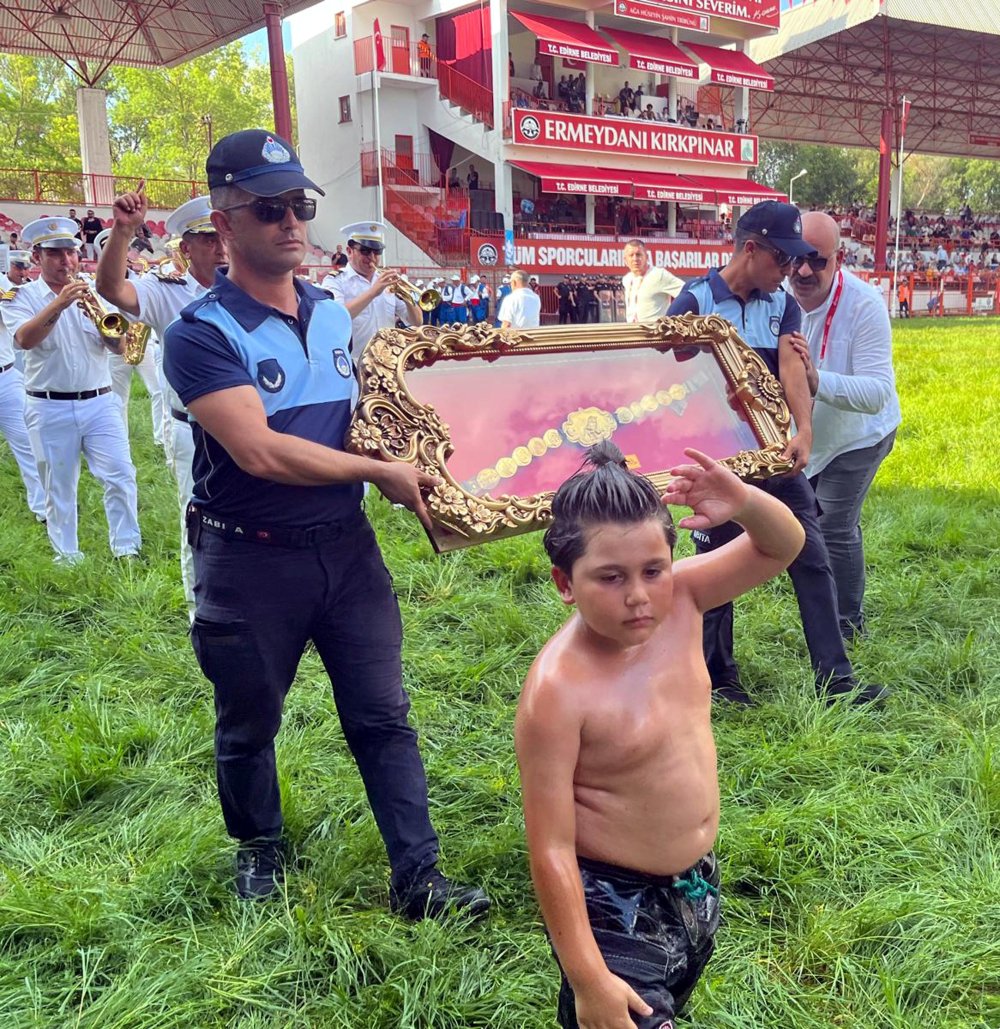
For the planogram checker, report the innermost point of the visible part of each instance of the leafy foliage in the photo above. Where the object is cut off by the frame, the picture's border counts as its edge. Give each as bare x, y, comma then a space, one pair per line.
38, 114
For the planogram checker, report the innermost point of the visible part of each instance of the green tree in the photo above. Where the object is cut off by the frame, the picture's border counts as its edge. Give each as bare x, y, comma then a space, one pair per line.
159, 118
38, 113
836, 176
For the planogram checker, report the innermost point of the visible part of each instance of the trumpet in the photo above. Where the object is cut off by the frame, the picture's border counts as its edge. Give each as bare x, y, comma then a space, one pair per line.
113, 326
426, 299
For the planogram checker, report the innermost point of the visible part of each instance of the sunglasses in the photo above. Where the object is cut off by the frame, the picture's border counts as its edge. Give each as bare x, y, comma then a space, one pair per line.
814, 261
271, 210
366, 251
782, 259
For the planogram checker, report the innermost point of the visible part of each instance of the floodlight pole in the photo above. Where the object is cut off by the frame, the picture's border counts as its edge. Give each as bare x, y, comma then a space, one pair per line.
894, 286
791, 182
884, 174
279, 74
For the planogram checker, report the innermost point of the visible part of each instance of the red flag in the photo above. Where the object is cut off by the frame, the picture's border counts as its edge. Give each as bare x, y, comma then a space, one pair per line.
903, 117
379, 47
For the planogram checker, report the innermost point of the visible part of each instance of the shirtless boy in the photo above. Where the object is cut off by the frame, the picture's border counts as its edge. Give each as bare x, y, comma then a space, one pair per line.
613, 736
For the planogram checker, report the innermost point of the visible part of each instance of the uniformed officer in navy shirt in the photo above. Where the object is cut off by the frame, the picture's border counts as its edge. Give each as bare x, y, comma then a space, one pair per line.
748, 293
283, 552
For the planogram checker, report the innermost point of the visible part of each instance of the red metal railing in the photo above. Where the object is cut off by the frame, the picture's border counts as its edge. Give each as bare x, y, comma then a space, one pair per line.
401, 169
400, 59
36, 186
466, 93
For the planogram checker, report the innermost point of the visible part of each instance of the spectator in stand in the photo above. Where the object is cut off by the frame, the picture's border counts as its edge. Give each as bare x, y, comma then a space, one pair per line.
510, 65
472, 179
12, 243
941, 258
637, 98
648, 114
536, 72
90, 226
541, 90
425, 54
522, 307
72, 214
454, 182
626, 99
665, 115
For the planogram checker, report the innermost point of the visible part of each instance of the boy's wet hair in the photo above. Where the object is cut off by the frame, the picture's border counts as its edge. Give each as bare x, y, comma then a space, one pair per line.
605, 492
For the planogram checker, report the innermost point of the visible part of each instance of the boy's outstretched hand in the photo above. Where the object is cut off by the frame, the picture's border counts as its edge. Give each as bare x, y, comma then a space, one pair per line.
713, 492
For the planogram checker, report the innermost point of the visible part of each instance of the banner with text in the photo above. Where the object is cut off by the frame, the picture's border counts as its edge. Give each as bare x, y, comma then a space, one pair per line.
659, 15
584, 256
622, 136
752, 12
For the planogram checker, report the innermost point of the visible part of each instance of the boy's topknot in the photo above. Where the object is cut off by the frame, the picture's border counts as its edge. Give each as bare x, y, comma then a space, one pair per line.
606, 492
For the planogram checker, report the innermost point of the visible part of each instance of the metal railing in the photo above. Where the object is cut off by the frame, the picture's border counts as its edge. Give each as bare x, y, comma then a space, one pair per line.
471, 96
400, 59
77, 189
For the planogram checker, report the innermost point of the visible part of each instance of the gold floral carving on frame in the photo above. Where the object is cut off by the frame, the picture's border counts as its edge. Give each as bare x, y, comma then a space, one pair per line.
389, 423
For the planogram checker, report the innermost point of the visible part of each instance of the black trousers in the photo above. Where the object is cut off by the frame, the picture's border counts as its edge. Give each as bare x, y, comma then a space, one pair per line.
655, 936
567, 312
812, 578
257, 606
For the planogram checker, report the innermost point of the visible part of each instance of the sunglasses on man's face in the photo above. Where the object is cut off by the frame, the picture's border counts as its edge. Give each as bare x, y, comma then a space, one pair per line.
781, 259
814, 261
271, 210
367, 251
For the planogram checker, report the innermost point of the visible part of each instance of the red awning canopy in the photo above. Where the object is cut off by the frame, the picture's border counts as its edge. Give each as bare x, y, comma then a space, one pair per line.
683, 189
731, 67
736, 192
654, 54
567, 178
569, 39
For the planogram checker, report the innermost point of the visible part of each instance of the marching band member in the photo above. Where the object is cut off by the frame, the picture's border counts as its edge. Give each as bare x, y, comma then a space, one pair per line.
18, 267
365, 292
70, 407
649, 291
157, 299
12, 426
454, 302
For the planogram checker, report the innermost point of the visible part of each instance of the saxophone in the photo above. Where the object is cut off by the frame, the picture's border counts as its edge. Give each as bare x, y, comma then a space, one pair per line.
113, 326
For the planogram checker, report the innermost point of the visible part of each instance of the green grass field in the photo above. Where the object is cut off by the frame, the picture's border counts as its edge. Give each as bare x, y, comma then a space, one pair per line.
860, 850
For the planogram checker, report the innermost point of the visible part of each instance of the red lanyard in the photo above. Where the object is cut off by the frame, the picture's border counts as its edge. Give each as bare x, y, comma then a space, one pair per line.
831, 312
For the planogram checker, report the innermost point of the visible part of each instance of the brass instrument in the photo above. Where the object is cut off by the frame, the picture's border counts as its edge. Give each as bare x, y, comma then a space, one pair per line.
181, 263
113, 326
426, 299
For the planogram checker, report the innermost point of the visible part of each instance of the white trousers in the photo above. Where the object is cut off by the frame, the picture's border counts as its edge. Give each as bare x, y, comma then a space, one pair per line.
180, 457
13, 429
60, 430
121, 386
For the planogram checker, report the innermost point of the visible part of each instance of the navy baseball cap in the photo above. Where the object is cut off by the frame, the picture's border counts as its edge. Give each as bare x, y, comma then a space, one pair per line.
259, 162
780, 224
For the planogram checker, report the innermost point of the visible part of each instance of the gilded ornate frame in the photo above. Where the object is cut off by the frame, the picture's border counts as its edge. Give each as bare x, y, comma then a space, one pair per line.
389, 423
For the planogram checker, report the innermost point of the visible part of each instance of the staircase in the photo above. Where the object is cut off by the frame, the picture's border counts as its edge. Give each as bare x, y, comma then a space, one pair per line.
428, 217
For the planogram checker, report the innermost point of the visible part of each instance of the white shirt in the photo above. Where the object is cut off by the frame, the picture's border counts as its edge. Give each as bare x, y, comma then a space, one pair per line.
456, 293
72, 357
6, 340
160, 303
856, 402
381, 313
648, 296
522, 308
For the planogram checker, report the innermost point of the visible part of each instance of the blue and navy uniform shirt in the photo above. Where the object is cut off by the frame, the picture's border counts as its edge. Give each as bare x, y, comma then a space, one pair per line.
302, 371
761, 320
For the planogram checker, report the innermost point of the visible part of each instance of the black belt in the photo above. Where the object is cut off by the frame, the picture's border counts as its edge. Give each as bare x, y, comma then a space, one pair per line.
200, 520
181, 416
51, 394
6, 367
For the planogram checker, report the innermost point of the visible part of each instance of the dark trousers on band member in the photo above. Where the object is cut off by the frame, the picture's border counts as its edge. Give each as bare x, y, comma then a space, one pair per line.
811, 577
257, 606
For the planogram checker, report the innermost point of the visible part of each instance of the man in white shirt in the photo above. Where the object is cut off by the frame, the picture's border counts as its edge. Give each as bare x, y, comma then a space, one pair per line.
157, 299
365, 292
70, 407
12, 426
522, 307
648, 290
847, 352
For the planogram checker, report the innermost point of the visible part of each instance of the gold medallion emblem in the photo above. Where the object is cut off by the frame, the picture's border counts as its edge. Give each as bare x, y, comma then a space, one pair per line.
649, 404
552, 438
663, 397
537, 446
522, 455
624, 416
678, 392
507, 467
487, 478
589, 425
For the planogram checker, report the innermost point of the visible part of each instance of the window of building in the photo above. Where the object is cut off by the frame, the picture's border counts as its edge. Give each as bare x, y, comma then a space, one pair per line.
340, 27
345, 109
